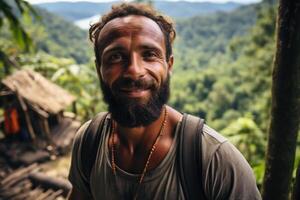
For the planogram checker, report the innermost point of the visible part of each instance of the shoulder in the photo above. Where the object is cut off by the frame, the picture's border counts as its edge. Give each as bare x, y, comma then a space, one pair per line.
76, 175
80, 132
78, 141
226, 172
211, 141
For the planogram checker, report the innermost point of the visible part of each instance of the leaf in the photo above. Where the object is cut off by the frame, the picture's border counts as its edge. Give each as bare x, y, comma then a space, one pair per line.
20, 35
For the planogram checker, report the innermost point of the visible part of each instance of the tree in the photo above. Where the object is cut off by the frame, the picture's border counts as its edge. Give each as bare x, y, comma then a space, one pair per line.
11, 11
285, 111
296, 189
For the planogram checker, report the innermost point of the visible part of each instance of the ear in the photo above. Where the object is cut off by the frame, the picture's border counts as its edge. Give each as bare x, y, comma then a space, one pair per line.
170, 64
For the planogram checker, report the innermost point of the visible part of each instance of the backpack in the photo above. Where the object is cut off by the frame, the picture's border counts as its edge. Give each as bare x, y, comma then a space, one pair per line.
189, 152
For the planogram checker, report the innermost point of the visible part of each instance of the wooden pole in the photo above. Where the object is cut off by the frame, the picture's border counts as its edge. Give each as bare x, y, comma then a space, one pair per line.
27, 117
47, 129
74, 107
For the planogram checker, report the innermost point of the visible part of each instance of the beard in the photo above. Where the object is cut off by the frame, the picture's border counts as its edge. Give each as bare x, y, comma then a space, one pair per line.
131, 112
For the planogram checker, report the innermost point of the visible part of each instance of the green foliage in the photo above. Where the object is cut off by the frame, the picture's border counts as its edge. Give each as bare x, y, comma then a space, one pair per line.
202, 38
12, 15
63, 39
259, 171
246, 136
11, 11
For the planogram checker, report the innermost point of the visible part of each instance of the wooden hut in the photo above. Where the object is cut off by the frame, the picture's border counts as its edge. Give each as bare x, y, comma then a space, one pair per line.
34, 110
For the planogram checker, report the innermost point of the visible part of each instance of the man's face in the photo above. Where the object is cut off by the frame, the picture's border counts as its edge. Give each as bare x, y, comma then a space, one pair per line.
134, 71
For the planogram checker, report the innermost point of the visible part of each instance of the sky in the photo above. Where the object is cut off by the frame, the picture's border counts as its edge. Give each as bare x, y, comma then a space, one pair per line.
215, 1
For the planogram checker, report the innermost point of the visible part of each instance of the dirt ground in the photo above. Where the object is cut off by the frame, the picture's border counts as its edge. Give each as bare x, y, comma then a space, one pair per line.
58, 167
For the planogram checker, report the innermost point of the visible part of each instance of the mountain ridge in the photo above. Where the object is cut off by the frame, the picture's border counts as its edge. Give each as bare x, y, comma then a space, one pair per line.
74, 11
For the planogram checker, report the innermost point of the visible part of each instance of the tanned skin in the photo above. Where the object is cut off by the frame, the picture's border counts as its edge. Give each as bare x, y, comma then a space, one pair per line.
135, 47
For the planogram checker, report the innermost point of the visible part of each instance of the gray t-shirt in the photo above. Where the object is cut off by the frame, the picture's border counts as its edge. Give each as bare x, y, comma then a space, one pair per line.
226, 174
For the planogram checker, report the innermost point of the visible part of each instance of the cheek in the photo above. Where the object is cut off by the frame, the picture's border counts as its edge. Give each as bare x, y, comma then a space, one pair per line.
106, 72
109, 75
158, 71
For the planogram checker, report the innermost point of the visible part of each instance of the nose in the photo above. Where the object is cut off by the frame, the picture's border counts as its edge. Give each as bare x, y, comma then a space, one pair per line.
134, 68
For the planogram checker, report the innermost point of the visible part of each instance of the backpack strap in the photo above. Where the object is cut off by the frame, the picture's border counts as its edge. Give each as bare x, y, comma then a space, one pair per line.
90, 144
190, 157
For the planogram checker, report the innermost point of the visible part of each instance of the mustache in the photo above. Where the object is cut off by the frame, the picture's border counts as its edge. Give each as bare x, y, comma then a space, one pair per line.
129, 83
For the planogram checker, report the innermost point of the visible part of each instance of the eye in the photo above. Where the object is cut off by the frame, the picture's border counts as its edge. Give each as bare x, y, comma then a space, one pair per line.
115, 57
149, 54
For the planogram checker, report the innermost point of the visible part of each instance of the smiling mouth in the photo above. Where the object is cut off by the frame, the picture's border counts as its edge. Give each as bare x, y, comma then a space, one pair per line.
134, 92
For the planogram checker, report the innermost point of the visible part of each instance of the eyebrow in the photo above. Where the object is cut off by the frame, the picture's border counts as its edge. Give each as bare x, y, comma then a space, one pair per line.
107, 39
152, 47
147, 46
114, 48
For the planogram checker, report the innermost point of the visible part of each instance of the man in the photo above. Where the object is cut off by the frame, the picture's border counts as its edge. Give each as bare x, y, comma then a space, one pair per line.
137, 152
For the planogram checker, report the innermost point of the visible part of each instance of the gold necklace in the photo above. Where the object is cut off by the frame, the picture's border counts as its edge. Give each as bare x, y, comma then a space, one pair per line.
160, 133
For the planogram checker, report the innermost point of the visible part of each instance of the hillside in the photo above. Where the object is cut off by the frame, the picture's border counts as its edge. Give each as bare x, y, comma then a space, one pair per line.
185, 9
74, 11
63, 39
202, 38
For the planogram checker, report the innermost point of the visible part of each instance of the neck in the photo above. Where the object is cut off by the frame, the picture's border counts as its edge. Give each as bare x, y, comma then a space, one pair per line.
141, 136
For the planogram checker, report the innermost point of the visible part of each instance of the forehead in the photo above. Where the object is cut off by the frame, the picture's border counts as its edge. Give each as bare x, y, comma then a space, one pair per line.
132, 25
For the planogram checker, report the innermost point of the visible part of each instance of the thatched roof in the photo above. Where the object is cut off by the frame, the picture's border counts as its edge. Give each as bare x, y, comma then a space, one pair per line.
39, 91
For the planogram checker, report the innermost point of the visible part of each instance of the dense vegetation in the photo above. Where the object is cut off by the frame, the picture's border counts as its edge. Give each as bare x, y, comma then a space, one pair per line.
202, 38
63, 39
222, 70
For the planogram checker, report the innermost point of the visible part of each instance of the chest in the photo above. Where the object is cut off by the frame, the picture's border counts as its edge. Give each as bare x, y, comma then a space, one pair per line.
162, 182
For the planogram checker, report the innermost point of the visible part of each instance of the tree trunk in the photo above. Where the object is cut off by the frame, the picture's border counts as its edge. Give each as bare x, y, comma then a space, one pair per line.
296, 189
285, 104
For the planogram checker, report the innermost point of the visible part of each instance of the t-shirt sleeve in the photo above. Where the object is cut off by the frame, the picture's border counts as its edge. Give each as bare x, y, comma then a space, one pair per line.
76, 176
229, 176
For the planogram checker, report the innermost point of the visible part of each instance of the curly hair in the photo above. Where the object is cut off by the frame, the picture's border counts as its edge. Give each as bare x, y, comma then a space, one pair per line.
125, 9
